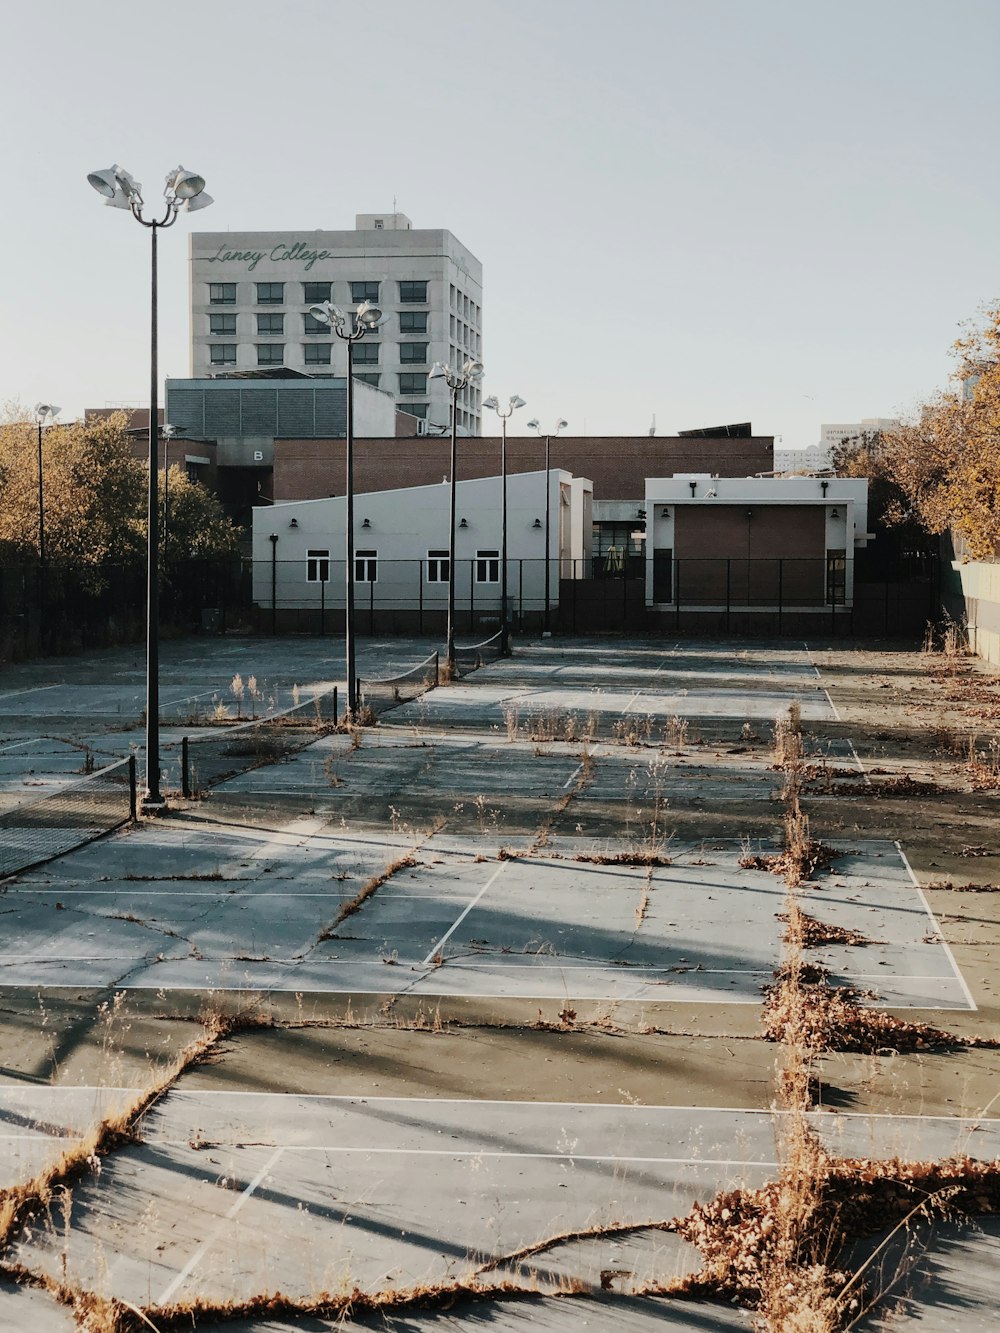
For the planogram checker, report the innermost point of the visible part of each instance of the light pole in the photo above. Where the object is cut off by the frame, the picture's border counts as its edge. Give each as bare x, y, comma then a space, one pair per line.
184, 189
44, 412
560, 425
471, 372
513, 403
366, 317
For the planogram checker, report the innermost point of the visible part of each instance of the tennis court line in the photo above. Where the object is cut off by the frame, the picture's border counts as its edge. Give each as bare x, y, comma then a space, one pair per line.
439, 945
940, 939
209, 1240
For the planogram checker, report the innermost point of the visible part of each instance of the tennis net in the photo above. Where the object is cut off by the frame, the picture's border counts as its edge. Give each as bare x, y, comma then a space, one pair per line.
56, 823
380, 693
478, 654
227, 751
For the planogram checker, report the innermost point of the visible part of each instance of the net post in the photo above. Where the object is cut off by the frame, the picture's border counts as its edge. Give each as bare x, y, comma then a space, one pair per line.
437, 669
185, 770
133, 806
335, 706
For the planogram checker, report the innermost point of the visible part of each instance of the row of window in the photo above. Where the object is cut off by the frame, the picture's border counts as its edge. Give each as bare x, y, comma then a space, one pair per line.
410, 292
317, 354
436, 570
410, 321
465, 305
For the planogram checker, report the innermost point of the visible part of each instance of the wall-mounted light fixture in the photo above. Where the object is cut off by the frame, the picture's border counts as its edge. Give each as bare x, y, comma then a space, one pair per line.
464, 523
367, 523
537, 523
294, 523
664, 513
694, 487
835, 513
823, 487
640, 513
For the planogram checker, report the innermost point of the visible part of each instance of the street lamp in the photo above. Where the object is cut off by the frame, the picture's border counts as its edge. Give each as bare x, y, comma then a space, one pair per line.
44, 412
366, 317
560, 425
513, 403
184, 189
471, 372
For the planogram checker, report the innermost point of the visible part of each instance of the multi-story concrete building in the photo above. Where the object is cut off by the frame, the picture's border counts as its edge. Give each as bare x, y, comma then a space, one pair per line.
251, 292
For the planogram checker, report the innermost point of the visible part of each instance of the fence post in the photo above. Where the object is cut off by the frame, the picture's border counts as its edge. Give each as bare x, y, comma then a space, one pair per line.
677, 595
185, 769
322, 608
371, 607
274, 582
132, 804
437, 669
729, 575
420, 596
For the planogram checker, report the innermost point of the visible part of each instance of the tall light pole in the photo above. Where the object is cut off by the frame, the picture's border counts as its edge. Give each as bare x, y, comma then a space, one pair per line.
366, 317
184, 189
560, 425
471, 372
513, 403
44, 412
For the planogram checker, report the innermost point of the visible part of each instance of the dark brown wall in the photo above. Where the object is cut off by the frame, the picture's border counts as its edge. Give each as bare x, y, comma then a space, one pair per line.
617, 465
777, 553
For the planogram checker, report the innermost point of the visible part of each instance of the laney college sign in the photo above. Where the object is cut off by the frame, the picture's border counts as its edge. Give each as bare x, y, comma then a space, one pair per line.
299, 253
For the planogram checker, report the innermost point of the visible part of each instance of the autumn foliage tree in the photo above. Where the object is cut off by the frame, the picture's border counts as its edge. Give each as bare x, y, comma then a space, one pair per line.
95, 498
944, 468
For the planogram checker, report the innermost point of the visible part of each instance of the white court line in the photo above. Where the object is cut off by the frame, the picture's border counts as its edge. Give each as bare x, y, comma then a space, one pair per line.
578, 769
570, 1157
17, 745
861, 767
937, 929
34, 689
644, 688
199, 1253
833, 709
436, 948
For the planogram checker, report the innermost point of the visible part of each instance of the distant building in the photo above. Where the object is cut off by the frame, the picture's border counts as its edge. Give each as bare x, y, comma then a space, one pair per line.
250, 294
816, 457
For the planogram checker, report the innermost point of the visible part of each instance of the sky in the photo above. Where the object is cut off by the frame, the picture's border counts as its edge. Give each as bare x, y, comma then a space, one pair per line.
702, 211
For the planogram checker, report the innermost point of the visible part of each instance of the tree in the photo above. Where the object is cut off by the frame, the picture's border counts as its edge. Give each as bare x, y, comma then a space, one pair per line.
95, 498
946, 465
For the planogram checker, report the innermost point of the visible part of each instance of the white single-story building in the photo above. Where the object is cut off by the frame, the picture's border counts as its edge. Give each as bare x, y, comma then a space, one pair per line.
402, 547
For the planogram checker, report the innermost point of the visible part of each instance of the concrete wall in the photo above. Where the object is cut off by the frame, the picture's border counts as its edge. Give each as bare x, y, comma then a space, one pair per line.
981, 591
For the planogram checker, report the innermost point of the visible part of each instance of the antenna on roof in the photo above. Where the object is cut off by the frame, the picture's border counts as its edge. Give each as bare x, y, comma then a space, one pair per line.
652, 425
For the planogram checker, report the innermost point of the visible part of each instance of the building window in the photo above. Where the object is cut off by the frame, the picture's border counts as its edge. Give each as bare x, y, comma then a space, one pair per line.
315, 292
222, 354
317, 566
413, 321
364, 291
379, 224
413, 292
270, 354
316, 354
365, 354
222, 293
366, 566
270, 293
438, 566
413, 384
310, 325
369, 378
417, 410
222, 323
413, 353
270, 326
487, 566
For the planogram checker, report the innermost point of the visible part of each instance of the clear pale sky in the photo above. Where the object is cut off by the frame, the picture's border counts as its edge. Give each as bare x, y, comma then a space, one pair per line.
711, 210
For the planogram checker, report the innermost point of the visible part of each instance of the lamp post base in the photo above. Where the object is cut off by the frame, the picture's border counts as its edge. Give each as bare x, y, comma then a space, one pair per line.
152, 805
